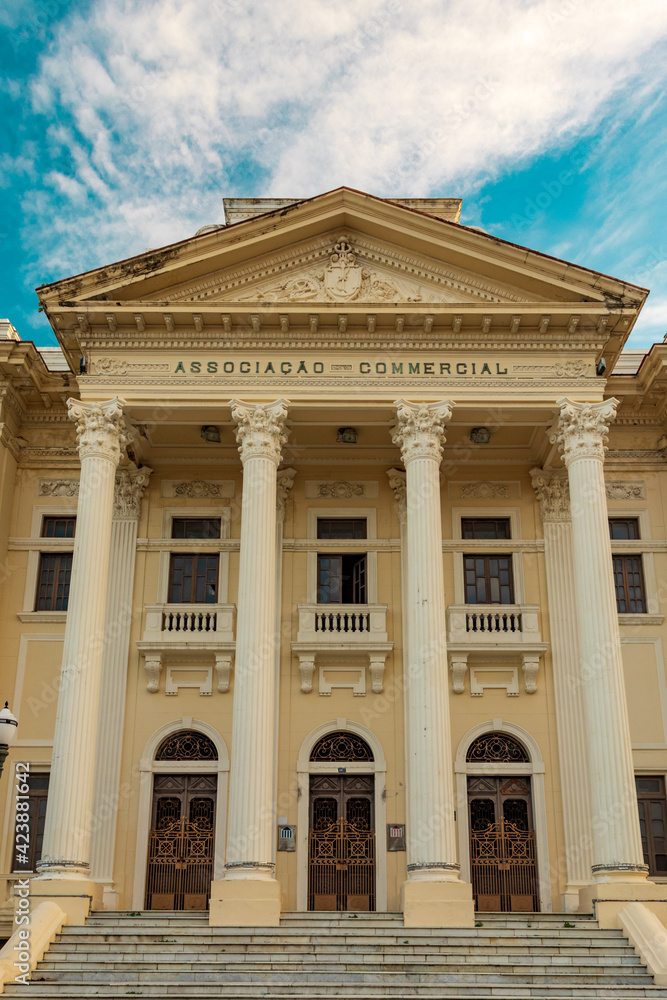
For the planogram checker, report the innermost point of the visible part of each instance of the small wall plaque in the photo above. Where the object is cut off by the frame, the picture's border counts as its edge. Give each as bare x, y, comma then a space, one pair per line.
395, 836
286, 838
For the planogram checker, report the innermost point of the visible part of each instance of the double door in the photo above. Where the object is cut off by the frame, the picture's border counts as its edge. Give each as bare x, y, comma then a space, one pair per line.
182, 842
503, 857
341, 857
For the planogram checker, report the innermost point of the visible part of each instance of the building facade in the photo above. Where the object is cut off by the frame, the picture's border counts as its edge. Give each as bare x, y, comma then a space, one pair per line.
333, 559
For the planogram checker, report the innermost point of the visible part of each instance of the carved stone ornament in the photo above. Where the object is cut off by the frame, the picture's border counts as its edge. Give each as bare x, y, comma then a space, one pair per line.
260, 428
197, 489
100, 429
552, 489
59, 488
420, 429
285, 482
129, 492
111, 366
625, 491
398, 485
341, 490
571, 369
484, 491
582, 430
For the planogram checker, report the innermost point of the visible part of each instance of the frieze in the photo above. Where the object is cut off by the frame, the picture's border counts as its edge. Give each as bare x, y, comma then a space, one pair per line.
58, 488
198, 489
117, 366
625, 491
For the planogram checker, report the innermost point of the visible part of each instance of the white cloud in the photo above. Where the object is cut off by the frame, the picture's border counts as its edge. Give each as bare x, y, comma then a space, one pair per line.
157, 102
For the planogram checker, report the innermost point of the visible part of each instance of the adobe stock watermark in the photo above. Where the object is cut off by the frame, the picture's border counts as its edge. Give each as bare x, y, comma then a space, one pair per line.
22, 889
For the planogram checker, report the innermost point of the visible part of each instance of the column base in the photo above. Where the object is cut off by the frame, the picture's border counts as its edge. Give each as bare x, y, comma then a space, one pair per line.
606, 900
75, 896
245, 903
437, 903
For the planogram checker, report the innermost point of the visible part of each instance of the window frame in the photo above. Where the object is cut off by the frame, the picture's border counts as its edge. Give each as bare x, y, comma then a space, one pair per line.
649, 797
487, 578
58, 557
318, 546
188, 546
39, 545
41, 794
621, 509
625, 557
506, 547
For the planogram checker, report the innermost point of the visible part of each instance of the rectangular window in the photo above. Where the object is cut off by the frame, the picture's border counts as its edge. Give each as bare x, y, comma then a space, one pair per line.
35, 816
653, 822
341, 527
58, 527
623, 529
195, 527
55, 572
193, 579
341, 579
485, 527
629, 584
488, 579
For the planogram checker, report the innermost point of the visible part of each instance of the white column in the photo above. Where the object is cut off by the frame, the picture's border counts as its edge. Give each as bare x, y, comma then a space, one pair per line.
69, 815
249, 893
551, 488
582, 433
433, 893
109, 797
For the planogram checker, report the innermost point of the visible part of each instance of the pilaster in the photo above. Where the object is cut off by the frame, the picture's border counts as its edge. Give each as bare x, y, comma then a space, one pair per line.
552, 491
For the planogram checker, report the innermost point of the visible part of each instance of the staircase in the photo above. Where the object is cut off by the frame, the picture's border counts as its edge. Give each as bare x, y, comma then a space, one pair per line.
316, 955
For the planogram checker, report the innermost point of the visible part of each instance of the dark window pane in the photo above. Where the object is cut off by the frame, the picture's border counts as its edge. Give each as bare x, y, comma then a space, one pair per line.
485, 527
341, 579
195, 527
623, 528
652, 821
651, 785
193, 579
629, 583
53, 581
341, 527
488, 579
26, 861
58, 527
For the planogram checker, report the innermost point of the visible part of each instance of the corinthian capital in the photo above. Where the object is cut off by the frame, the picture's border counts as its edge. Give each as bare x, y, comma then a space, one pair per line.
260, 428
582, 430
129, 492
552, 489
100, 429
285, 482
397, 481
420, 429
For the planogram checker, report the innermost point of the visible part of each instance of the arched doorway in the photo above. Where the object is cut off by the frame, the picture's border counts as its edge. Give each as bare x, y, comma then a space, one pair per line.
341, 831
341, 772
502, 819
181, 846
182, 817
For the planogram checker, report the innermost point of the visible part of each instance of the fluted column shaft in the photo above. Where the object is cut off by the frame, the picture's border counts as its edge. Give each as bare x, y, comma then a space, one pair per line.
69, 814
617, 850
431, 842
251, 825
129, 490
552, 492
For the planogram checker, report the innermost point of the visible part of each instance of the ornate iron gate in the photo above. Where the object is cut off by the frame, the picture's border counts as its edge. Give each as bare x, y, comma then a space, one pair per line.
342, 867
504, 867
181, 847
341, 856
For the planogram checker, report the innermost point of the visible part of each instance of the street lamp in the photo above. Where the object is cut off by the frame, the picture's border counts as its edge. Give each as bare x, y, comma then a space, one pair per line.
8, 727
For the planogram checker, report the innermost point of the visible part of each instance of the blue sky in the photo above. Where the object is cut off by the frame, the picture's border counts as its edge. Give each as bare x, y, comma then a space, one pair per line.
125, 123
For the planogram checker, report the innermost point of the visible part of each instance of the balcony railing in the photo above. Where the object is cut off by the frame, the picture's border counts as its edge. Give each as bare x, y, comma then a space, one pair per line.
191, 623
493, 624
327, 624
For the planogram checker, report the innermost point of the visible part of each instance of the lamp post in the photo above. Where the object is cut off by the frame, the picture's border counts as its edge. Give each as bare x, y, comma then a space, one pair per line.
8, 728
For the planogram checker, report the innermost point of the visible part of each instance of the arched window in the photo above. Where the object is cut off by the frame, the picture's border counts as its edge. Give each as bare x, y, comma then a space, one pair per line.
187, 745
496, 748
341, 746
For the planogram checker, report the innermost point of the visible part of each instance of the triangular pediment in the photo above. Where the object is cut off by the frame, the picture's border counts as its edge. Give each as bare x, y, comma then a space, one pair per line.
345, 267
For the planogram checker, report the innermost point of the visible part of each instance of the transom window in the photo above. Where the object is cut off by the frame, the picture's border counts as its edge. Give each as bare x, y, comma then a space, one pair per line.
341, 527
195, 527
58, 527
653, 822
623, 528
485, 527
193, 577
